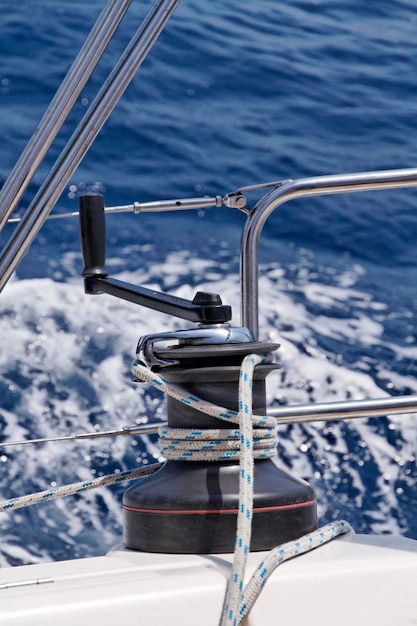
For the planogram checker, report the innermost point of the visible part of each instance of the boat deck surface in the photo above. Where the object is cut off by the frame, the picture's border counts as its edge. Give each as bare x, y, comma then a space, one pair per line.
359, 579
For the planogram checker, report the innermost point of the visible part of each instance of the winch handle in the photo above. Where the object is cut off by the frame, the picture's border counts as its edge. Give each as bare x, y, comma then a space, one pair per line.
206, 308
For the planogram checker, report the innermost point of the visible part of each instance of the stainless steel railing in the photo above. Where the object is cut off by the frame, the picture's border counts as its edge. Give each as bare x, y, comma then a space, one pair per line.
57, 112
83, 136
301, 188
249, 257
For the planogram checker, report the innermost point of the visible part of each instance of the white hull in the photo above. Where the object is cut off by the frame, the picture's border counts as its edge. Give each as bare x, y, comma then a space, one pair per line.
362, 580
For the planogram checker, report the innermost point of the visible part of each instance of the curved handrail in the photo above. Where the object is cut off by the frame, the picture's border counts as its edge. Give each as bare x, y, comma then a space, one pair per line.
289, 190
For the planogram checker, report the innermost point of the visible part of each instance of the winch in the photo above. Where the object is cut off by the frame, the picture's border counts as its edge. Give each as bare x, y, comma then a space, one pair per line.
191, 506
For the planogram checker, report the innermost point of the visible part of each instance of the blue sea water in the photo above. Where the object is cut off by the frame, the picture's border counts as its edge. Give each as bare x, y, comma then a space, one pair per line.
231, 95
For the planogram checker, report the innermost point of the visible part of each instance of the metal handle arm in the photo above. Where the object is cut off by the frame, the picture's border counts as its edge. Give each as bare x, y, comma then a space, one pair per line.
192, 311
207, 308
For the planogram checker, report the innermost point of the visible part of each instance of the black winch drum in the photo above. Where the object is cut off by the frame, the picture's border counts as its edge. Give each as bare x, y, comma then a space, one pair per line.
190, 507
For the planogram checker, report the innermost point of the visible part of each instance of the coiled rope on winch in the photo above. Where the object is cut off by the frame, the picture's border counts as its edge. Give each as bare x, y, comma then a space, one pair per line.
216, 444
181, 444
187, 444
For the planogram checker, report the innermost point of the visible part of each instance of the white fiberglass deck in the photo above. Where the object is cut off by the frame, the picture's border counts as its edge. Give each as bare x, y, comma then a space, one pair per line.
360, 580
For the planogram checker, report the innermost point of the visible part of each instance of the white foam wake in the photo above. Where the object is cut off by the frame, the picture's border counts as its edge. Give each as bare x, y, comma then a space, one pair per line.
65, 368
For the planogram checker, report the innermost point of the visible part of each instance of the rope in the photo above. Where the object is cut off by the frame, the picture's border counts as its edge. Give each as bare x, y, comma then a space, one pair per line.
144, 374
285, 552
244, 519
221, 444
183, 444
68, 490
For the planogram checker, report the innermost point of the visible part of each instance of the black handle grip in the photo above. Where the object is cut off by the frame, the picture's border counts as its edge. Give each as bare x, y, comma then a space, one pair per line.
93, 234
206, 308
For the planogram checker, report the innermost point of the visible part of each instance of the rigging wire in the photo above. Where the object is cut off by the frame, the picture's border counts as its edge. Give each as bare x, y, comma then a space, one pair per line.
125, 431
297, 414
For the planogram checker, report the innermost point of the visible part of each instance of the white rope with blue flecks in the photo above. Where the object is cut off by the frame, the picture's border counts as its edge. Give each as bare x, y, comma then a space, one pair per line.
245, 443
144, 374
182, 444
285, 552
234, 588
72, 489
221, 444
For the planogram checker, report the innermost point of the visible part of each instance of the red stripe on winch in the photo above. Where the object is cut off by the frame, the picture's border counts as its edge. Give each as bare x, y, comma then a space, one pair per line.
263, 509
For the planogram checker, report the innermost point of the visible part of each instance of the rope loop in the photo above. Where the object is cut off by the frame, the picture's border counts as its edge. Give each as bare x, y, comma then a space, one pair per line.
144, 374
184, 444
